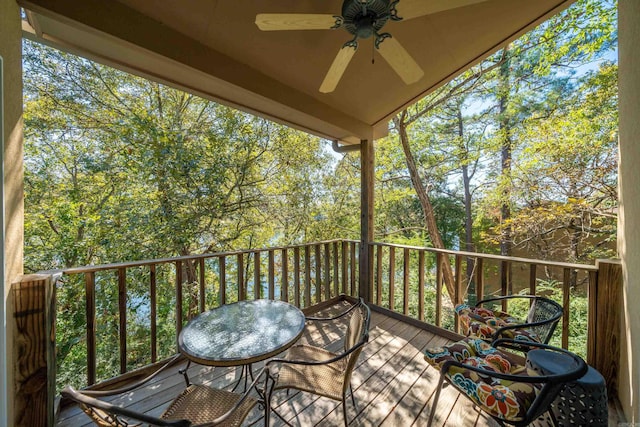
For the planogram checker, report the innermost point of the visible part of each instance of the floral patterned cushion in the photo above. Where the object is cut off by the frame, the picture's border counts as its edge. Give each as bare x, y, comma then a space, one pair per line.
507, 400
483, 323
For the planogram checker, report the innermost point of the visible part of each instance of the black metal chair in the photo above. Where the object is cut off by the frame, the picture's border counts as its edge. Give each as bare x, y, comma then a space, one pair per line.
497, 383
196, 405
490, 325
319, 371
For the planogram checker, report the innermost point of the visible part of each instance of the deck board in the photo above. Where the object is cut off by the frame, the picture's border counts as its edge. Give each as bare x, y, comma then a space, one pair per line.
393, 385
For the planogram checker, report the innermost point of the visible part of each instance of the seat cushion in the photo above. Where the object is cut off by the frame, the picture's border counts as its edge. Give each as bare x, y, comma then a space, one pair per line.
483, 323
507, 400
201, 404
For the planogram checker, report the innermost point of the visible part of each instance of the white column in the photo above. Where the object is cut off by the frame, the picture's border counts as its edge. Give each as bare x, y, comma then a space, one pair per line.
11, 197
629, 219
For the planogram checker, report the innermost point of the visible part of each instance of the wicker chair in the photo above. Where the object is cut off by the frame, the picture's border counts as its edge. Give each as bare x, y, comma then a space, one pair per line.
197, 405
497, 383
490, 325
319, 371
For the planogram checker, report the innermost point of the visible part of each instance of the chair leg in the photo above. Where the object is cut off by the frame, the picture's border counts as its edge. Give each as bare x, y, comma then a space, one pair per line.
268, 391
344, 410
353, 399
435, 400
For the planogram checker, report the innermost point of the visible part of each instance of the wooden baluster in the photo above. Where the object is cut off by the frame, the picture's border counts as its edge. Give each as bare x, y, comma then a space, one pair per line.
327, 271
353, 268
480, 278
533, 275
122, 314
379, 276
345, 267
533, 279
178, 265
242, 294
284, 283
505, 280
318, 295
154, 312
272, 277
592, 317
222, 261
405, 282
439, 261
458, 296
202, 285
256, 275
392, 277
307, 276
90, 295
296, 276
421, 285
566, 294
336, 268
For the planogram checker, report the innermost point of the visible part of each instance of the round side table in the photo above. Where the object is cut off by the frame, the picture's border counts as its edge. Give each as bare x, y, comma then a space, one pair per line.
580, 403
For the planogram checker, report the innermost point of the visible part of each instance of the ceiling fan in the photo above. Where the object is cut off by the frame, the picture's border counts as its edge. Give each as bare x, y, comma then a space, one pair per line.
364, 19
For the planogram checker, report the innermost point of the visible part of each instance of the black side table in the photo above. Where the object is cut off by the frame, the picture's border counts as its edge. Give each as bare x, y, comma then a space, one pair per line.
580, 403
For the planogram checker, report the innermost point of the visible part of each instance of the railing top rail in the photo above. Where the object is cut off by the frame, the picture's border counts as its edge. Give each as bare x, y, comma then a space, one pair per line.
131, 264
586, 267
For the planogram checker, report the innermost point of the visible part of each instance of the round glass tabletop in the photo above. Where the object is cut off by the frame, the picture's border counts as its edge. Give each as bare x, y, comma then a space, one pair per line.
241, 333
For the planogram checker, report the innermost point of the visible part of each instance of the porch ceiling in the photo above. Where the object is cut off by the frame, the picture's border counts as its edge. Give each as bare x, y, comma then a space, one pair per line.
213, 48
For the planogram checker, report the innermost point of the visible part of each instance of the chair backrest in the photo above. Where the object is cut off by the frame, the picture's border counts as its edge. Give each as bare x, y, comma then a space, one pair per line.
356, 337
358, 327
544, 309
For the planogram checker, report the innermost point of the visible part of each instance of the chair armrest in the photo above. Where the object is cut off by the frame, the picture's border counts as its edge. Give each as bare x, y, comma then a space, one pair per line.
578, 371
111, 392
316, 362
69, 393
344, 313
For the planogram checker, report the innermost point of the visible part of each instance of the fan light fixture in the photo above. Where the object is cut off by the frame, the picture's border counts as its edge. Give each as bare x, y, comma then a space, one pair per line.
364, 19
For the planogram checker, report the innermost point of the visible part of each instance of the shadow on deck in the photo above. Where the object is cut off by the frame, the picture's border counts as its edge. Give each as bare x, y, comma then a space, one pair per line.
392, 383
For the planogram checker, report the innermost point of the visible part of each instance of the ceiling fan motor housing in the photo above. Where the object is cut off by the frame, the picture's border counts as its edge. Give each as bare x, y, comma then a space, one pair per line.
364, 18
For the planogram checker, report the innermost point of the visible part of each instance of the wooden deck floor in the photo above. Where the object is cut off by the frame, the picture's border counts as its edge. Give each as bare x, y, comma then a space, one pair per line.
393, 386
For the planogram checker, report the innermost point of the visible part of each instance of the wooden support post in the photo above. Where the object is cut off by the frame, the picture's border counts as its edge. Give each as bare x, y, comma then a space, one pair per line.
603, 341
366, 219
34, 350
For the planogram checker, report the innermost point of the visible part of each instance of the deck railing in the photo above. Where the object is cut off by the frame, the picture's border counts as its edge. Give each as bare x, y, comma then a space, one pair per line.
303, 275
143, 305
405, 275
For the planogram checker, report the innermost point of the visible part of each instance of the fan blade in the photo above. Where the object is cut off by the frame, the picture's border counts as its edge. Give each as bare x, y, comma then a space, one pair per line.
409, 9
400, 60
294, 21
337, 69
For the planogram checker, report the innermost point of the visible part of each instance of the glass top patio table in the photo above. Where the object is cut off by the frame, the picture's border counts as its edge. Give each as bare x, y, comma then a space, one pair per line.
241, 333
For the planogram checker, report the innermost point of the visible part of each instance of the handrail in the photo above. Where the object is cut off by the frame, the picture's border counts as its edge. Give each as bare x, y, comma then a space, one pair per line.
586, 267
305, 275
130, 264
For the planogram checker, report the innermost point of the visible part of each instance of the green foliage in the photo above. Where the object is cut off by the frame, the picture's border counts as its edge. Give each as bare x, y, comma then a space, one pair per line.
118, 168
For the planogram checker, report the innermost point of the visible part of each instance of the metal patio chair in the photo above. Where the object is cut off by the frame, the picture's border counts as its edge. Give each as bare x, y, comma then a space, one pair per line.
495, 381
196, 405
490, 325
319, 371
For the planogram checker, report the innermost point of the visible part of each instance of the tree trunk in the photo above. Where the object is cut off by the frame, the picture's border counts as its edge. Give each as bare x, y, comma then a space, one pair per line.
506, 154
427, 207
468, 218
